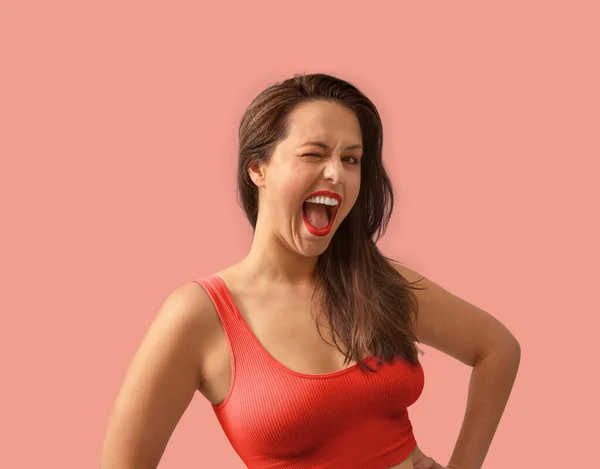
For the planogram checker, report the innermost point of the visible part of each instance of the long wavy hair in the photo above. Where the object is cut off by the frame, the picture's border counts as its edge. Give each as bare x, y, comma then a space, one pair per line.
369, 305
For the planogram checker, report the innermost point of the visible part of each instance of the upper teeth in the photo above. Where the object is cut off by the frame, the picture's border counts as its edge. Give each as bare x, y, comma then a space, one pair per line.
322, 200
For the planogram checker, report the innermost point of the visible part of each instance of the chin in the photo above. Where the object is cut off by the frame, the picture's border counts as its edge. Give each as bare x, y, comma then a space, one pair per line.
314, 249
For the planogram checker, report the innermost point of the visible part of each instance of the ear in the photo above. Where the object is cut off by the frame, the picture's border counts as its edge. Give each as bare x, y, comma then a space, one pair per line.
257, 171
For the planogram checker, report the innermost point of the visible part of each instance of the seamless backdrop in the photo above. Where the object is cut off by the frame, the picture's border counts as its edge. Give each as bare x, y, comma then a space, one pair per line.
118, 139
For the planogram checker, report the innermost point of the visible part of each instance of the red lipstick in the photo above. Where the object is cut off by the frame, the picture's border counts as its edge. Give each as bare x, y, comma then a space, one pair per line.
327, 229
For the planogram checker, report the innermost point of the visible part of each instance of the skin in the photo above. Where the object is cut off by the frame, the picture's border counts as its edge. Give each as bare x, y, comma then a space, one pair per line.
184, 350
283, 251
171, 363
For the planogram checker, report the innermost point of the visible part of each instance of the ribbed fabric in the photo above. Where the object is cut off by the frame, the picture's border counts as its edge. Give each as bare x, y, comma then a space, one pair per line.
276, 418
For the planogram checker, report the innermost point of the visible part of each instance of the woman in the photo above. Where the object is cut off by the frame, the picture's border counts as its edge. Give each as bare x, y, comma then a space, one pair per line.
250, 337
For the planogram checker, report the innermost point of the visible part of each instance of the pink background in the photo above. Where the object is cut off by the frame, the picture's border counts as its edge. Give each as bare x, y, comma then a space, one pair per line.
118, 138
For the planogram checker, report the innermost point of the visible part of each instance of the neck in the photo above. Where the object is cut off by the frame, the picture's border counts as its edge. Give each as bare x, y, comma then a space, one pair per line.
271, 260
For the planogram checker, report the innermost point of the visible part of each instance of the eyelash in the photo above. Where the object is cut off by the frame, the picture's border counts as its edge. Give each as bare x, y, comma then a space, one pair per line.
315, 154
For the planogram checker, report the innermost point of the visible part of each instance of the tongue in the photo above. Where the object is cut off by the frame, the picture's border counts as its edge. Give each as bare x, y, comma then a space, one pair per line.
316, 214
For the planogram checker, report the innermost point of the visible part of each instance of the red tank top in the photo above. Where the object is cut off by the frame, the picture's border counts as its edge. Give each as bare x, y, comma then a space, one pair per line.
276, 418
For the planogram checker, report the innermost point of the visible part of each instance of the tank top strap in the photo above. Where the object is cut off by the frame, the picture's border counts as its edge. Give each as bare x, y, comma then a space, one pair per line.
233, 324
226, 309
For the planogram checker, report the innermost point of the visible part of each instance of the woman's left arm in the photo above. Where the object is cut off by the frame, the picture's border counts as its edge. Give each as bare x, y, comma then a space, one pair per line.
474, 337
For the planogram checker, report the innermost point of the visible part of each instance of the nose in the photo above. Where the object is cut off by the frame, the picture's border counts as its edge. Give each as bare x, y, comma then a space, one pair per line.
334, 171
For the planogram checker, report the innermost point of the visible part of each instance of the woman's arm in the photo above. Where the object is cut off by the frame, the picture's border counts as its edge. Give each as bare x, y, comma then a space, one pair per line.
491, 382
160, 383
474, 337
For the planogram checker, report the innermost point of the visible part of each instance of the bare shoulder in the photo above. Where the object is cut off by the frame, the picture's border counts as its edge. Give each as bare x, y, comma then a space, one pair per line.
408, 274
189, 310
453, 325
189, 305
187, 313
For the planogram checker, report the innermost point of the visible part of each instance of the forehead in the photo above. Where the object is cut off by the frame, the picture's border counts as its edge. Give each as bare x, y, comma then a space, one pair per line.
323, 120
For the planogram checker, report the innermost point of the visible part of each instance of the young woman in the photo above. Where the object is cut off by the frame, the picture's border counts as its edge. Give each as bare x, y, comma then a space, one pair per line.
306, 348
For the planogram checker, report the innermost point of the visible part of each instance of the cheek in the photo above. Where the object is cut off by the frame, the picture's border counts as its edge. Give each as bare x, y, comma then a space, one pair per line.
353, 188
350, 205
294, 183
288, 193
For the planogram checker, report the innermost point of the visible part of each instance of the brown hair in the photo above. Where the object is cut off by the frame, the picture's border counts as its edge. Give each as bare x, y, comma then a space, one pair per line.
368, 304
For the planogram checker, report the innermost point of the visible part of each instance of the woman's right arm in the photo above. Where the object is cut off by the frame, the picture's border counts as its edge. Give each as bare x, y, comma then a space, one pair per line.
160, 383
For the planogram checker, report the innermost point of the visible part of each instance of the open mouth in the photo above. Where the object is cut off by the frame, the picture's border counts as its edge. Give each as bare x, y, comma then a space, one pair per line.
319, 212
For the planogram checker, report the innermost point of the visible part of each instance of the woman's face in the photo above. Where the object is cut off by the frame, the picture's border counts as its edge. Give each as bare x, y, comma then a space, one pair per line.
298, 169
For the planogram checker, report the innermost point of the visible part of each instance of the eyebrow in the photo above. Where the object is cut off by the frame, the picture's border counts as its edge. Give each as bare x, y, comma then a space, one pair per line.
325, 147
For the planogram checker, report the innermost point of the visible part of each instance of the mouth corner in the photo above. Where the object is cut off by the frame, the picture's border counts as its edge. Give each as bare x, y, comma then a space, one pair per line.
334, 209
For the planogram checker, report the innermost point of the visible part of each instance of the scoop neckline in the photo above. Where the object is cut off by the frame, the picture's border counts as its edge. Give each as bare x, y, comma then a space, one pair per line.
271, 358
